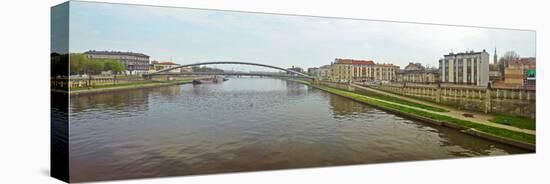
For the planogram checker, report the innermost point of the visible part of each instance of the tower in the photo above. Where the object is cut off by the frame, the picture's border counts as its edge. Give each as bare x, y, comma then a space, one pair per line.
495, 57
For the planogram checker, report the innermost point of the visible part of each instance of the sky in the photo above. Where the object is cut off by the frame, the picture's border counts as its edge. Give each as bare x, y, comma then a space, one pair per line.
187, 36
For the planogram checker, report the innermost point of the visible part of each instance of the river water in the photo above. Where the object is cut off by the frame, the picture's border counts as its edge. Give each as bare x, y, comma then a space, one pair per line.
246, 124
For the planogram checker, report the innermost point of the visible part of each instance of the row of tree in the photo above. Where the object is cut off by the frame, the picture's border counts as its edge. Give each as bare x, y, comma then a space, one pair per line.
81, 64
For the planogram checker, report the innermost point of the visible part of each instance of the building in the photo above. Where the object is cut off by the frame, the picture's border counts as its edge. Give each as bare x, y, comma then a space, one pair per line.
314, 71
347, 70
135, 63
156, 66
384, 72
416, 73
341, 71
324, 72
470, 68
495, 73
520, 73
296, 69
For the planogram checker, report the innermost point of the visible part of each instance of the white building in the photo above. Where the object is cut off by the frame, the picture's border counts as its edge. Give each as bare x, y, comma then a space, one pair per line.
135, 63
471, 68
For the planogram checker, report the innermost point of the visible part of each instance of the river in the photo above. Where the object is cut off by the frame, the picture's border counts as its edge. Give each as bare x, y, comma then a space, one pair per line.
246, 124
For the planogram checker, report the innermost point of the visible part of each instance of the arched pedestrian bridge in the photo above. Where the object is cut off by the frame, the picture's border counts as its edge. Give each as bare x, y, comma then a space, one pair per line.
293, 74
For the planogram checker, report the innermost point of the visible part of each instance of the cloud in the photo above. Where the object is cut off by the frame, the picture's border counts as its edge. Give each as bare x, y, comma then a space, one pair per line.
192, 35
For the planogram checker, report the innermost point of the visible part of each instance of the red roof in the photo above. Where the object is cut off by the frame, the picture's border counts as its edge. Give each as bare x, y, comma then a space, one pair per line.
355, 61
167, 63
369, 62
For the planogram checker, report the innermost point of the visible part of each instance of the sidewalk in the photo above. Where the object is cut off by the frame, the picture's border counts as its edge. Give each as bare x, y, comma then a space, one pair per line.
478, 117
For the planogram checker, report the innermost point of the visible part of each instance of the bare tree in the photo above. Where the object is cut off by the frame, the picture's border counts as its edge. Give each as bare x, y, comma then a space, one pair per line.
510, 56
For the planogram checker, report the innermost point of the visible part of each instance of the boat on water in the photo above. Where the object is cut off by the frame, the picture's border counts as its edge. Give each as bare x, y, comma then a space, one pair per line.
209, 81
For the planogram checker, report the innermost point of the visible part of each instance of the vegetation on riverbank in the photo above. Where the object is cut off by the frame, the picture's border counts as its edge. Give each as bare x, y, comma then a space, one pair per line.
388, 98
520, 122
400, 101
518, 136
128, 86
112, 85
82, 64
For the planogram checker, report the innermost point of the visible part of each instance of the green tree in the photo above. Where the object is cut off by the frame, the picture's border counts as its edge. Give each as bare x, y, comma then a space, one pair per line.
93, 68
78, 63
114, 66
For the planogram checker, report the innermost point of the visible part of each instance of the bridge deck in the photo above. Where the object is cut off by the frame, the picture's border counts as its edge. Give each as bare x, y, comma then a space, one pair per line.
229, 74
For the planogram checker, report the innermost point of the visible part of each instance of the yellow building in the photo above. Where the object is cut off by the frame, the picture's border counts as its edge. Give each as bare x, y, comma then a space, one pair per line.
347, 70
341, 72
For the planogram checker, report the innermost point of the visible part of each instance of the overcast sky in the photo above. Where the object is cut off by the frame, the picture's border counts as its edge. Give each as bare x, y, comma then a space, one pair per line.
190, 35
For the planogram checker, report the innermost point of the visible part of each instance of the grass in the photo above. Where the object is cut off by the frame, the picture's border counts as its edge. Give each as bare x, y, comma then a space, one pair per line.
129, 77
128, 85
519, 136
401, 101
110, 86
520, 122
390, 99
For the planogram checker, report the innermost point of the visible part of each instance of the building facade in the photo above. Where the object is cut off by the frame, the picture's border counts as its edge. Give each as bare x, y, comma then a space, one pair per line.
348, 70
136, 63
324, 72
416, 73
156, 66
521, 73
470, 68
314, 71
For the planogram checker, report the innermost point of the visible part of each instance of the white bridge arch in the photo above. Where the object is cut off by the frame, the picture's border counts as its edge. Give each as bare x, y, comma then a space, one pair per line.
229, 62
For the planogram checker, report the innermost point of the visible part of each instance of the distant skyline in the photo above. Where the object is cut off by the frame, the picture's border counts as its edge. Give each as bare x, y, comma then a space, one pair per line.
187, 36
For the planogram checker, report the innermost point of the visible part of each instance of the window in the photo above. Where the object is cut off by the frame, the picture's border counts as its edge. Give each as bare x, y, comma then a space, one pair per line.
460, 70
454, 70
446, 70
475, 71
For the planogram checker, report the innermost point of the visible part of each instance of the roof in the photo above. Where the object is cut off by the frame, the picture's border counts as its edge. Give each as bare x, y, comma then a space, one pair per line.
325, 66
414, 66
387, 64
465, 53
166, 63
523, 61
354, 61
115, 53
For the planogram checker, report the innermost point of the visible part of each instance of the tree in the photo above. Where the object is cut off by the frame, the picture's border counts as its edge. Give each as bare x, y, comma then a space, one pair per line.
510, 56
78, 63
114, 66
94, 67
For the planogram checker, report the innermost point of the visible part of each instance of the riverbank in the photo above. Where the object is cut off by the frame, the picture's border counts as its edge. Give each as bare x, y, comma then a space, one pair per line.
514, 138
127, 86
504, 121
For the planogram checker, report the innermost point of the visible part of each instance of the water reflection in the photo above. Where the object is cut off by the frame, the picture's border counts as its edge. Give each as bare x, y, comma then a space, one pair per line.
127, 101
246, 124
343, 108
